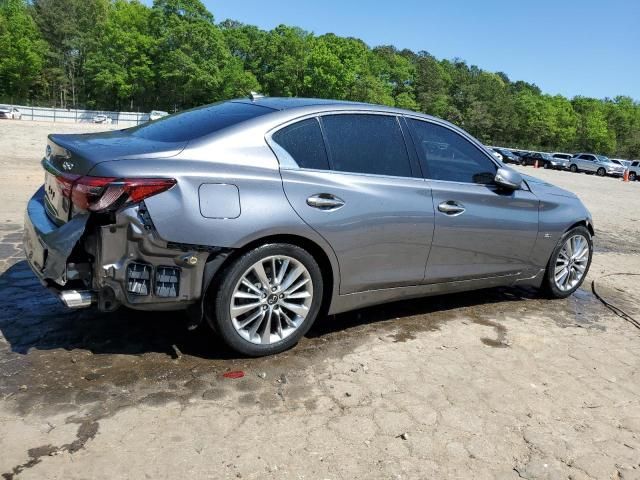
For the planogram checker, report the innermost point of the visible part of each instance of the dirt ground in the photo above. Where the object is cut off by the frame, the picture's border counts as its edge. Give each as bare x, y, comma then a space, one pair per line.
494, 384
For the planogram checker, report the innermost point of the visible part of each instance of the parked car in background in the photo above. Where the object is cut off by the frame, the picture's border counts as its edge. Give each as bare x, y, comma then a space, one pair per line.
598, 164
520, 154
508, 156
157, 114
9, 112
634, 170
619, 161
563, 159
495, 153
251, 214
102, 119
544, 160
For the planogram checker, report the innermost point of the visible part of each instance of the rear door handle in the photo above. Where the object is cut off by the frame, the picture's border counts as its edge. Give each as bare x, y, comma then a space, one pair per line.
325, 201
451, 208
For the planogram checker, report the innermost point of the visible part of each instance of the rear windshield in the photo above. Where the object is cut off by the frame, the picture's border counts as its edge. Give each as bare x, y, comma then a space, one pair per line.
195, 123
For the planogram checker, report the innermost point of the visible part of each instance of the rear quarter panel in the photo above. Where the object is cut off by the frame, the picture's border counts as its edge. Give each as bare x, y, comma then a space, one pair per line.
180, 214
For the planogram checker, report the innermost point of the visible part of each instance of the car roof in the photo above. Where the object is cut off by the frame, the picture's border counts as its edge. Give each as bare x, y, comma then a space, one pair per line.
286, 103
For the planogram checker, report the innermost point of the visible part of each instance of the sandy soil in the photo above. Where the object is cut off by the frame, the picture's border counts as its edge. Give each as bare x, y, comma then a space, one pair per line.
494, 384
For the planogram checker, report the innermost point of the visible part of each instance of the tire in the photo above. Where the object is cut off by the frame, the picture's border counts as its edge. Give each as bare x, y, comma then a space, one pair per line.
574, 168
553, 287
601, 172
632, 176
546, 166
270, 307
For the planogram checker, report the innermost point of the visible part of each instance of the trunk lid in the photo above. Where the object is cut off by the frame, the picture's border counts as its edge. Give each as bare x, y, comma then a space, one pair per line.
70, 157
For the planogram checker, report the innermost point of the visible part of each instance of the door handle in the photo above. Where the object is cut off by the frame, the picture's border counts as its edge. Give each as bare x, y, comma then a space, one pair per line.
451, 208
325, 201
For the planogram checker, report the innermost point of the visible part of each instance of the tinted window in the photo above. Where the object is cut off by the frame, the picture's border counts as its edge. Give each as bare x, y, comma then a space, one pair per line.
635, 164
370, 144
449, 156
303, 141
198, 122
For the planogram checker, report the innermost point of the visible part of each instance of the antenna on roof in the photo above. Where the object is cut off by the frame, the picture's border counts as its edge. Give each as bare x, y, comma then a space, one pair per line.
253, 96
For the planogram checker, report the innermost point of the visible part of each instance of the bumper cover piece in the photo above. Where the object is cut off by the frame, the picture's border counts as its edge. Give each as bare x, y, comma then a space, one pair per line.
47, 246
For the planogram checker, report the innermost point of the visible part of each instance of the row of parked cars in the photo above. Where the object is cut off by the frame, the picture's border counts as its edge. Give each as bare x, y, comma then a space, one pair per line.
106, 119
13, 113
579, 162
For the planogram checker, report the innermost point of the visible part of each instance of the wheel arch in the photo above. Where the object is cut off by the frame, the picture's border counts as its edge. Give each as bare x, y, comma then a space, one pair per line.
583, 223
326, 261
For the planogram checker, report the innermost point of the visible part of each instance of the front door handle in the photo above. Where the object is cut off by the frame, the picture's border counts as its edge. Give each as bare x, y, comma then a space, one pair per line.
325, 201
451, 208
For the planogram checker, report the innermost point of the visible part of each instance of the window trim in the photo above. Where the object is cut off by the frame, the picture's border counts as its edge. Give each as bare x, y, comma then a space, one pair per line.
287, 162
425, 166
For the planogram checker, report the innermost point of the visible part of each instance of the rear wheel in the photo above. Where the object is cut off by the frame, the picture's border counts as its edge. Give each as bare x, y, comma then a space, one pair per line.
569, 263
267, 299
601, 172
574, 168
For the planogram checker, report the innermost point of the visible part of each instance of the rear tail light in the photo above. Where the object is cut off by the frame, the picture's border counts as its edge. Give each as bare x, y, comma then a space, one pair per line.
99, 194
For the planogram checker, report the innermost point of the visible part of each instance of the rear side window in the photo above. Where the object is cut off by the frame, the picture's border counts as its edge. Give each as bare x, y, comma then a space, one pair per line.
369, 144
450, 157
197, 122
303, 141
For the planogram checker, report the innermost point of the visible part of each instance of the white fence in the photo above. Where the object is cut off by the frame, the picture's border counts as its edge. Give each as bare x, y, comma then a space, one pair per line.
41, 114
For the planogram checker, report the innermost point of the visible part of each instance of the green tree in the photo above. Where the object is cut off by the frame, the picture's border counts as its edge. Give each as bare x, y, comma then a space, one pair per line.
69, 27
22, 52
193, 64
119, 65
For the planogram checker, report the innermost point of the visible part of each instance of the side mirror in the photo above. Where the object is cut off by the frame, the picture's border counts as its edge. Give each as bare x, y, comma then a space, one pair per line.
509, 179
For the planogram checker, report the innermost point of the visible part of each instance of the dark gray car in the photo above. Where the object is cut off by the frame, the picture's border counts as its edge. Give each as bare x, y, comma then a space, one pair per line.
258, 215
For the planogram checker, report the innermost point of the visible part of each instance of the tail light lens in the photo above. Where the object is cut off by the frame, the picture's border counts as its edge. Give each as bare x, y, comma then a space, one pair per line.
99, 194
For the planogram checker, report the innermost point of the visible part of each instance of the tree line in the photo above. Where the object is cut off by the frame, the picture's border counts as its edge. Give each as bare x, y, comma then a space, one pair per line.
123, 55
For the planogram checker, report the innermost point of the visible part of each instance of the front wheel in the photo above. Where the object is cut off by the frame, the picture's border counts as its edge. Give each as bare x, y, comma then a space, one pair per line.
569, 263
267, 299
632, 176
574, 168
601, 172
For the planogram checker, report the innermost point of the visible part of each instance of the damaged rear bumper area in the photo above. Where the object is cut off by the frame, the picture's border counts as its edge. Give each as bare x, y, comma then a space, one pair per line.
115, 260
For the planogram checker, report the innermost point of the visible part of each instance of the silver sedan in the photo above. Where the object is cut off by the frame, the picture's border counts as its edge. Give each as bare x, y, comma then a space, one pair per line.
257, 215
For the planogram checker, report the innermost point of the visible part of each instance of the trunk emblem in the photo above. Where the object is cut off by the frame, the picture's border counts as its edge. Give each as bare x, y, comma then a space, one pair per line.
67, 165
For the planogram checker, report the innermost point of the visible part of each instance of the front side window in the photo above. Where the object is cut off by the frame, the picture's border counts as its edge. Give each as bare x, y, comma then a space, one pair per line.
450, 157
304, 143
368, 144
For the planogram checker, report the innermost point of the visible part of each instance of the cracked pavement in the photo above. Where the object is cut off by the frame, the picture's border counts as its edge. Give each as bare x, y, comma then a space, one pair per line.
493, 384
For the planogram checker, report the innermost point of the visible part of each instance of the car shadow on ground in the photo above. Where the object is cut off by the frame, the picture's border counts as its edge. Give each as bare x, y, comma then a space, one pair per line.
32, 318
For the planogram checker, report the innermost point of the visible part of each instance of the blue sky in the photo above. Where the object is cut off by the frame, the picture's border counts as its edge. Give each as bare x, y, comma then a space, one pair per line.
571, 47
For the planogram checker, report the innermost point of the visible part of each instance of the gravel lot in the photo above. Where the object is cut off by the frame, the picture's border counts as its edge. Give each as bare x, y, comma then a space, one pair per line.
493, 384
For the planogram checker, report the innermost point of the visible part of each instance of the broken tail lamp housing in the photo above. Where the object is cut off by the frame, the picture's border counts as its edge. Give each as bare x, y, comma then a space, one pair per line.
141, 277
100, 194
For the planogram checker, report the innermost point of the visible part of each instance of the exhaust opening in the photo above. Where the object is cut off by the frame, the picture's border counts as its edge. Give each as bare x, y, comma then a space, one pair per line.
77, 298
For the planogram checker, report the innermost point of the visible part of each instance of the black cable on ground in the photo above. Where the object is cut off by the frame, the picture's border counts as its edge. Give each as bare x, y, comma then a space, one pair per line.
617, 310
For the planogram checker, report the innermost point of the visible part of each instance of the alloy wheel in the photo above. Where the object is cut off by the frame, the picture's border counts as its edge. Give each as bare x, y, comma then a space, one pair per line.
271, 300
571, 263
